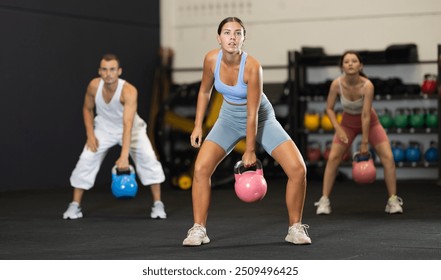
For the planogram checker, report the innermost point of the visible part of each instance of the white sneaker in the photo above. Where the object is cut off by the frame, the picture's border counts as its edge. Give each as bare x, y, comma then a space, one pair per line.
196, 236
298, 235
73, 211
323, 206
393, 205
158, 211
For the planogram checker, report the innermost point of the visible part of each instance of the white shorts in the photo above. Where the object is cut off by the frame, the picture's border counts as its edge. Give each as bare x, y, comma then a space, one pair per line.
147, 166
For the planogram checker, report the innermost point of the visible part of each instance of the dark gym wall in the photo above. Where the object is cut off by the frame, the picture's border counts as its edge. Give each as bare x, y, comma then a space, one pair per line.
49, 51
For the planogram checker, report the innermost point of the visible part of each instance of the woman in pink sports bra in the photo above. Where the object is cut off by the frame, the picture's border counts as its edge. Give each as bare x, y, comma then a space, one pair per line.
356, 93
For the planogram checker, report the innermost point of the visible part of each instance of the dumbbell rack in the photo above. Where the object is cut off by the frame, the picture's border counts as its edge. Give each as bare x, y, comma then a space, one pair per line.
299, 103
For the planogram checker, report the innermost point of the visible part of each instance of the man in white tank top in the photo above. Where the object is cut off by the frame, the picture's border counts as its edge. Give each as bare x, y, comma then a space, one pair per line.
116, 123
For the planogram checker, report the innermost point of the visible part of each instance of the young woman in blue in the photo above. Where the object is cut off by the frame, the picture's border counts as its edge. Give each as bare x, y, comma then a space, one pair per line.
245, 113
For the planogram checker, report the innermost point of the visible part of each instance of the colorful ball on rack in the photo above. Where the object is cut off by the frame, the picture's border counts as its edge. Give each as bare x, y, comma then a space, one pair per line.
416, 118
413, 153
385, 118
311, 121
326, 123
398, 151
432, 118
431, 155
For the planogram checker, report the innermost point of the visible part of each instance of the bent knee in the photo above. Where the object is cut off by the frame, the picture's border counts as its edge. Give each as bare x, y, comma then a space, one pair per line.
297, 169
388, 160
336, 158
202, 171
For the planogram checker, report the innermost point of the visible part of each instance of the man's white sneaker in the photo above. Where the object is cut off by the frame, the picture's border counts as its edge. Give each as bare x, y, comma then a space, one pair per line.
196, 236
298, 235
393, 205
158, 211
73, 211
323, 206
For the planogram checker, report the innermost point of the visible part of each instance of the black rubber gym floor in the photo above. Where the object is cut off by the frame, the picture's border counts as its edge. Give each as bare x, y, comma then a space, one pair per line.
32, 227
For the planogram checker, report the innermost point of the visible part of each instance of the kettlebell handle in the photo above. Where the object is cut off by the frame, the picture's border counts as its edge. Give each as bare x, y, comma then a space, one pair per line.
119, 172
414, 144
240, 165
358, 154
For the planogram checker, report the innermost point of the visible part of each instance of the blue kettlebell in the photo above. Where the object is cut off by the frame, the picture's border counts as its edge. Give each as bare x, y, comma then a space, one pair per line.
413, 152
124, 183
398, 151
431, 154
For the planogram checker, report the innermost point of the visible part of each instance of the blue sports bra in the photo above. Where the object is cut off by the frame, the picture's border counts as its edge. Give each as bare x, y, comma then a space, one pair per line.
236, 94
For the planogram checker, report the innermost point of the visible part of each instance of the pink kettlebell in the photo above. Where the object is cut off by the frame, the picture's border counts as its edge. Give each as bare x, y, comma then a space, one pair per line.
250, 185
363, 168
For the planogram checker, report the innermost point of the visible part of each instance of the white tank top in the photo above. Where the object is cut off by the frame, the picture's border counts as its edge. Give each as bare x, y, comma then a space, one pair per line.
109, 116
351, 107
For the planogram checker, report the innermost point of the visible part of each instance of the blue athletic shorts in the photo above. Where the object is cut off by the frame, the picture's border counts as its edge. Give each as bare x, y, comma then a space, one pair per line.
230, 127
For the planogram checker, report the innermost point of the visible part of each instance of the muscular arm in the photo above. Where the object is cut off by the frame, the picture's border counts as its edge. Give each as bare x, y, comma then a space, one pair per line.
129, 99
204, 96
89, 115
254, 95
330, 104
366, 117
